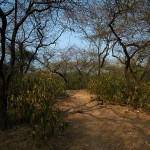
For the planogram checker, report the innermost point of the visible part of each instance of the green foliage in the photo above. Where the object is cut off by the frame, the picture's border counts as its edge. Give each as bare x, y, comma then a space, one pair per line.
76, 81
32, 97
107, 88
110, 88
140, 95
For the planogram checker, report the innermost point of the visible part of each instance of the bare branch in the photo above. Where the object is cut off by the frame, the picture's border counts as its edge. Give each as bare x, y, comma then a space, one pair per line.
9, 12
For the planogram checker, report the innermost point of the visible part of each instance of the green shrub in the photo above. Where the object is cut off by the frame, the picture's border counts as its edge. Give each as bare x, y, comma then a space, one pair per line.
140, 95
76, 81
109, 88
31, 98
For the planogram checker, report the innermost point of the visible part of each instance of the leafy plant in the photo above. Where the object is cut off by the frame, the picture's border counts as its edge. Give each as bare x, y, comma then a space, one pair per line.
109, 88
31, 99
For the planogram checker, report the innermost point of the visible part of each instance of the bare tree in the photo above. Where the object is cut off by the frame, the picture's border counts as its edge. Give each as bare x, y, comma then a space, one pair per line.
130, 34
74, 60
57, 63
15, 15
126, 23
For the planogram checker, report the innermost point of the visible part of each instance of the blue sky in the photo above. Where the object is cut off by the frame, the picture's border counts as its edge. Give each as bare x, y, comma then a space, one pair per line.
69, 39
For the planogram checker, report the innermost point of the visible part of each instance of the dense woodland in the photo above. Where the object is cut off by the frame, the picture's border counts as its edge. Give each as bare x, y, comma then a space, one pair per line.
33, 73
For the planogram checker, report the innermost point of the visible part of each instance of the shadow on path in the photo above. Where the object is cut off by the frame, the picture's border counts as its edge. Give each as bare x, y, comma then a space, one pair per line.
96, 127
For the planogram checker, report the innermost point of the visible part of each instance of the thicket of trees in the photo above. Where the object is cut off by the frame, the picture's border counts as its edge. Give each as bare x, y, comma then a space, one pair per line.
115, 67
124, 27
26, 27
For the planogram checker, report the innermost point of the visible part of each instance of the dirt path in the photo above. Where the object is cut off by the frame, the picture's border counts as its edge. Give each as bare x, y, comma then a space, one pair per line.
96, 127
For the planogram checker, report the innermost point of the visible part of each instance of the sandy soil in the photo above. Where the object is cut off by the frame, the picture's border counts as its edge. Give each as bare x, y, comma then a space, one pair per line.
96, 127
91, 127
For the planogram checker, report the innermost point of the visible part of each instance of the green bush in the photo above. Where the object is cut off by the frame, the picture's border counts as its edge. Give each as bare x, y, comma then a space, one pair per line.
31, 98
109, 88
140, 95
76, 81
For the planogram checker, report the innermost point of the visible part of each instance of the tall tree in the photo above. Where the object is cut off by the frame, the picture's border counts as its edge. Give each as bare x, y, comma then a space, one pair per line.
128, 25
3, 82
31, 14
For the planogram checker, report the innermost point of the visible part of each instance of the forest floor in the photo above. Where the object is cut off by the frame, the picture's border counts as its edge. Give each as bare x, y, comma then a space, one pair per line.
90, 127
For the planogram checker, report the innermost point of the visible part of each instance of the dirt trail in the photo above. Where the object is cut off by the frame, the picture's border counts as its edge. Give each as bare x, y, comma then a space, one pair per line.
96, 127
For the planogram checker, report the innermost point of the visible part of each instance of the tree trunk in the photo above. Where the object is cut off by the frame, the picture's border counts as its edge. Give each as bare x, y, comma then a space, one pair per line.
3, 105
3, 83
99, 62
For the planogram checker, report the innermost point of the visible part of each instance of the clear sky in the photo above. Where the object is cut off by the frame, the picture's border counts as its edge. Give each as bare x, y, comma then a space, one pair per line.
69, 39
